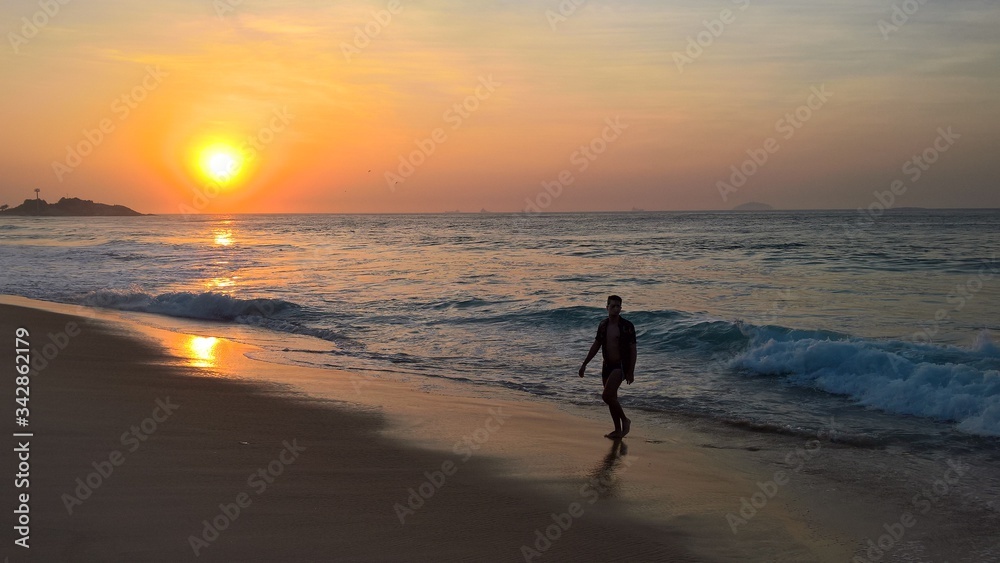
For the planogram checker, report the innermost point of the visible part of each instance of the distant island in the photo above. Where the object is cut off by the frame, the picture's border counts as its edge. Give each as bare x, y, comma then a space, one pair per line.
905, 209
69, 207
753, 206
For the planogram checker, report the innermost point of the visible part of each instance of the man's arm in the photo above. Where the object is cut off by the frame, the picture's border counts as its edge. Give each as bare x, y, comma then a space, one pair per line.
630, 376
590, 356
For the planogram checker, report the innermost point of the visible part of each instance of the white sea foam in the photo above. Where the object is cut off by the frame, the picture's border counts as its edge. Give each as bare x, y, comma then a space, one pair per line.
940, 382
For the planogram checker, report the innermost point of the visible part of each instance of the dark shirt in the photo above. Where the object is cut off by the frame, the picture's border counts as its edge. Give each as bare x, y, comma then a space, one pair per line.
626, 338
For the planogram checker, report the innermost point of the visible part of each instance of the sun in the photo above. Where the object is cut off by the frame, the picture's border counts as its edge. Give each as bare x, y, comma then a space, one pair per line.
221, 163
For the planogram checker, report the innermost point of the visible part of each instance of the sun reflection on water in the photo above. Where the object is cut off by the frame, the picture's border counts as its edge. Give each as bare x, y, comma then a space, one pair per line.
223, 237
221, 283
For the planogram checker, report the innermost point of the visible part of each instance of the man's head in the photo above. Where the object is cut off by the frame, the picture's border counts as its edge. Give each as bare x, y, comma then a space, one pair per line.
614, 305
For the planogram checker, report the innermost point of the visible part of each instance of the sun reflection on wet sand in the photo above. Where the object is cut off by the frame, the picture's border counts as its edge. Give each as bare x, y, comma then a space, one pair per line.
211, 356
201, 350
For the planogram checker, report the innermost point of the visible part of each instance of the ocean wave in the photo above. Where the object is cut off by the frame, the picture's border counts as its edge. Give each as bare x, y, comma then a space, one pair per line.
666, 330
125, 257
945, 383
831, 434
205, 306
272, 314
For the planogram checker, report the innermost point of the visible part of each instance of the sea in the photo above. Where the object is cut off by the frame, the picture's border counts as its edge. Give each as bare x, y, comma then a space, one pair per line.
775, 322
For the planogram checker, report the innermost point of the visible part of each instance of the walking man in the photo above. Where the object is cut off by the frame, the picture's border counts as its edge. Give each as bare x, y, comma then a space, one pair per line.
616, 339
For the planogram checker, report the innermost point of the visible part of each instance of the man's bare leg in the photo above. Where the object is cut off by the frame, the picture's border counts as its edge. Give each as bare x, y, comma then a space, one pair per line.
610, 397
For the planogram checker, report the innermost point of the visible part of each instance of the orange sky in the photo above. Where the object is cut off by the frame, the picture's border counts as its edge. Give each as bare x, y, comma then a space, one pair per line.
480, 105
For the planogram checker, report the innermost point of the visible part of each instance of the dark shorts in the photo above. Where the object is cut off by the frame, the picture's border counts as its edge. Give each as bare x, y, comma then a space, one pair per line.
609, 367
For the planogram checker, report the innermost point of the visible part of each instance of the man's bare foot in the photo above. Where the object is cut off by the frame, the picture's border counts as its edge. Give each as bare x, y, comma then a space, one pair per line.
626, 425
613, 435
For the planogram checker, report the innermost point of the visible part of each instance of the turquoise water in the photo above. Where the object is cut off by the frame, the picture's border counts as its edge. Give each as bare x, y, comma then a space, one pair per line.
773, 321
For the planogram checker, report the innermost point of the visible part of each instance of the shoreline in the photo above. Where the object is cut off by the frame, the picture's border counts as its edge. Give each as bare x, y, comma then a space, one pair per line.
489, 462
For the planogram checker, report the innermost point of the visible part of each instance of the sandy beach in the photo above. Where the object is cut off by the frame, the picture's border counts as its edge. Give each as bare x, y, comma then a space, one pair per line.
339, 281
153, 445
